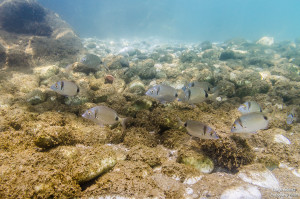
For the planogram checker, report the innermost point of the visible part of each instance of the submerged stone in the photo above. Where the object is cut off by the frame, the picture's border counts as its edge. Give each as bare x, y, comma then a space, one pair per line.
260, 176
197, 160
36, 97
245, 192
90, 63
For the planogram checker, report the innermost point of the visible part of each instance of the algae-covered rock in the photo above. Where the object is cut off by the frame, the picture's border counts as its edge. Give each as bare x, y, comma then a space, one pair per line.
188, 57
2, 56
129, 179
147, 73
174, 138
137, 87
205, 45
51, 136
36, 97
45, 72
229, 153
179, 171
197, 160
32, 174
152, 156
90, 63
137, 135
87, 163
230, 54
271, 162
117, 62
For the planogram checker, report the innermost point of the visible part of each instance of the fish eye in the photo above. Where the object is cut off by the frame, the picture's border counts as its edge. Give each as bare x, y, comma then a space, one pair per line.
56, 85
89, 112
151, 91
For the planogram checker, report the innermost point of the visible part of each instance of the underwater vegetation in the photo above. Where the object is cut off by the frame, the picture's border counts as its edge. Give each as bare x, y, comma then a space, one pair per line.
87, 118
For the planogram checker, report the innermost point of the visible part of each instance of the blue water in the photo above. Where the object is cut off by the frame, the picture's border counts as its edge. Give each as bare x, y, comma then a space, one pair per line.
188, 20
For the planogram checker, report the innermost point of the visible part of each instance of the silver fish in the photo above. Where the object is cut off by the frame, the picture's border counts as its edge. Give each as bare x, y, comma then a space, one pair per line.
205, 85
194, 95
249, 107
163, 93
198, 129
250, 123
103, 115
66, 88
291, 117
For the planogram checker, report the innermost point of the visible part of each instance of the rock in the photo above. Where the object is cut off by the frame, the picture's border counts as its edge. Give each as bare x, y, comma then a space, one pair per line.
87, 163
2, 56
245, 192
226, 88
152, 156
137, 87
266, 41
259, 175
230, 54
166, 58
36, 97
188, 57
33, 34
51, 136
25, 83
90, 63
117, 62
197, 160
281, 139
146, 70
24, 17
17, 58
45, 72
206, 45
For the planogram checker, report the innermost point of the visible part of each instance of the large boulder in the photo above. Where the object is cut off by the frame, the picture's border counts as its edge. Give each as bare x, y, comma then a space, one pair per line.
31, 34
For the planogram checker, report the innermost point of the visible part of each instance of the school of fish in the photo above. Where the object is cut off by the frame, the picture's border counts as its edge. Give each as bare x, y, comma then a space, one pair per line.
251, 120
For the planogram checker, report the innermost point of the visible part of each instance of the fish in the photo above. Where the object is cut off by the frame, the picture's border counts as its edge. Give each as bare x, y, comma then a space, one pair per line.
196, 95
250, 123
66, 88
205, 85
104, 115
198, 129
163, 93
291, 117
83, 59
249, 107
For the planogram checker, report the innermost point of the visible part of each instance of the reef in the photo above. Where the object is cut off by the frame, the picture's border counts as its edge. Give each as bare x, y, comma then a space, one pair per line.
47, 150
